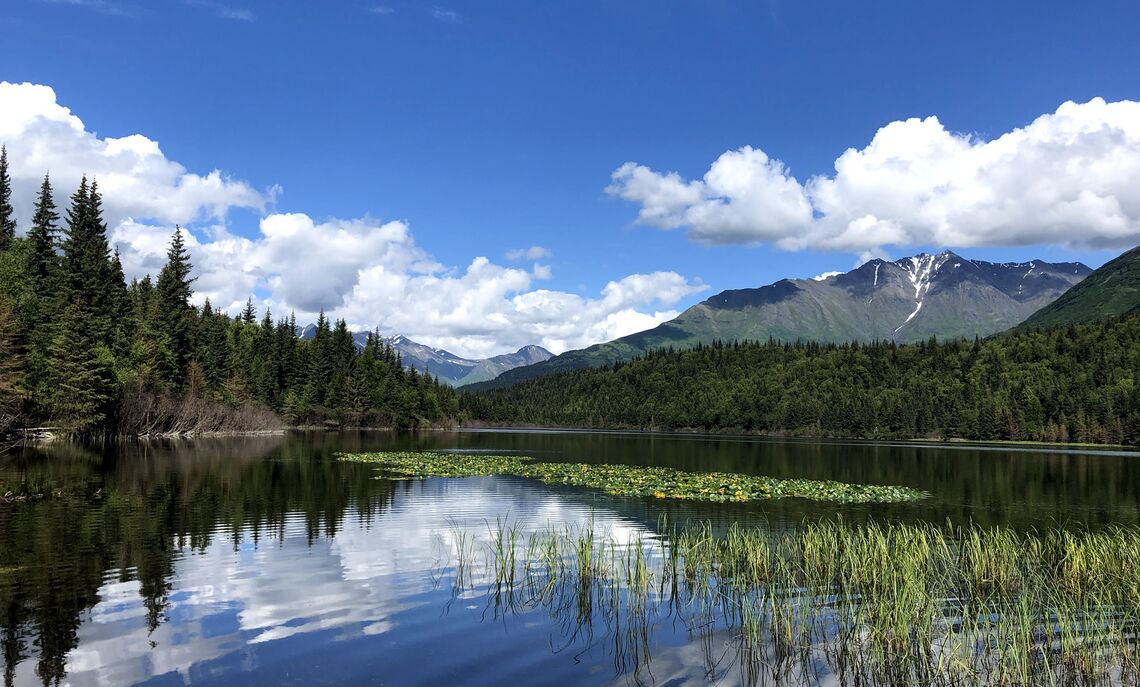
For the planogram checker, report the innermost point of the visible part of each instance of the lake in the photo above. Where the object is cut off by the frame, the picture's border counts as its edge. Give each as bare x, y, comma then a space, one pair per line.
265, 561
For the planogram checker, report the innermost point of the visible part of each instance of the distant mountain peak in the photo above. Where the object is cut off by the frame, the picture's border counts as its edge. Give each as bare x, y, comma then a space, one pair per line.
913, 298
445, 365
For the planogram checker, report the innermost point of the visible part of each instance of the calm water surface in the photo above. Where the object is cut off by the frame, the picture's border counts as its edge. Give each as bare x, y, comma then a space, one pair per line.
263, 561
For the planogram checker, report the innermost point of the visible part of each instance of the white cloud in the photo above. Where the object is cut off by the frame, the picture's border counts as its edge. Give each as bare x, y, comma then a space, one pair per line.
446, 16
1069, 178
532, 253
134, 176
745, 197
382, 10
826, 275
367, 271
373, 274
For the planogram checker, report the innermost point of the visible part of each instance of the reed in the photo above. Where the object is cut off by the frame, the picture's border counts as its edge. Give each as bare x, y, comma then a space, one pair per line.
831, 602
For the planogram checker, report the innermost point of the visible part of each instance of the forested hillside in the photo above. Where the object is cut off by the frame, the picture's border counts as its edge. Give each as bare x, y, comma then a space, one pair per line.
1077, 383
1114, 289
83, 350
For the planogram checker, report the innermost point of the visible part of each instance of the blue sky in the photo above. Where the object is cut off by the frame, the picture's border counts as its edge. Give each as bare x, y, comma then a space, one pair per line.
490, 126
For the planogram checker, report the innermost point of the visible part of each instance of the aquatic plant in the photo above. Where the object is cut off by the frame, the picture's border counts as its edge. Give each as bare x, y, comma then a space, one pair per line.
833, 603
625, 480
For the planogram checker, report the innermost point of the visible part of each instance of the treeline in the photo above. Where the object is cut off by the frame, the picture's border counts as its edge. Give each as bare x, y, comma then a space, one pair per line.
82, 349
1070, 384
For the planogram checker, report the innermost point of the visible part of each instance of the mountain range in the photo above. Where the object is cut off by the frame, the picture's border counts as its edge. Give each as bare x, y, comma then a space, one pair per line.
446, 366
907, 300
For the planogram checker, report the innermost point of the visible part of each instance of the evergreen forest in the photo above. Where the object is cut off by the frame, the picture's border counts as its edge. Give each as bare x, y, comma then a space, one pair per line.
84, 351
1075, 383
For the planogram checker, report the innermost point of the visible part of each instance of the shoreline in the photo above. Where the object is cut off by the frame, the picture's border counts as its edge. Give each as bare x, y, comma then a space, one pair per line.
955, 442
47, 435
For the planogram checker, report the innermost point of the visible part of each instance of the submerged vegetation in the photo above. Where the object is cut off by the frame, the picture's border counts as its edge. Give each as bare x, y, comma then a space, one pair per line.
831, 603
624, 480
1078, 383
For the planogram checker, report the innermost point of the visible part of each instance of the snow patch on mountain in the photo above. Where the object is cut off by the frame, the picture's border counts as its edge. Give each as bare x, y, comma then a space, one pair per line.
921, 269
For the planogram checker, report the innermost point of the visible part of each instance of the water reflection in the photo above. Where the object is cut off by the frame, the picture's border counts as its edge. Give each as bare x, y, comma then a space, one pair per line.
263, 560
187, 567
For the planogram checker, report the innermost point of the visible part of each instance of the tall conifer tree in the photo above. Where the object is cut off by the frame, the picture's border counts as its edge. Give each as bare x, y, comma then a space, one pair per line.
87, 259
43, 261
249, 315
7, 213
173, 311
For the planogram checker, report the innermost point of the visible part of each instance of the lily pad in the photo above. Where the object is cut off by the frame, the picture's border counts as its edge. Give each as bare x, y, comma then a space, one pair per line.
626, 480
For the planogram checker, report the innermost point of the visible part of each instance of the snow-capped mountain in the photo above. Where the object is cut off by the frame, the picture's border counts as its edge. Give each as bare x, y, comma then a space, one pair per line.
912, 299
446, 366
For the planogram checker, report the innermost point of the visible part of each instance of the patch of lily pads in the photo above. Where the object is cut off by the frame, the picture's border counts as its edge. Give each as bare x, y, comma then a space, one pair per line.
626, 480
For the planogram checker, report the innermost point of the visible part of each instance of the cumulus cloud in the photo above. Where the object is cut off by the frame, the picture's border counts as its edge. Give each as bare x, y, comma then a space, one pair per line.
532, 253
1071, 177
745, 197
370, 272
374, 275
135, 177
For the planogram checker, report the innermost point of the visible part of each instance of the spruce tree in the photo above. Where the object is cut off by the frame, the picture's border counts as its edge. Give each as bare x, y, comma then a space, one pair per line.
213, 351
87, 260
108, 274
173, 312
249, 314
75, 243
7, 214
320, 363
82, 378
43, 261
43, 275
119, 303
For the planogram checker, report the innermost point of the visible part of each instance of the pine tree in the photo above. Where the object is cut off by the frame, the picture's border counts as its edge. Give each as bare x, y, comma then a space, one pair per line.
320, 363
173, 312
249, 314
43, 262
119, 302
213, 350
109, 274
75, 243
87, 260
7, 214
82, 379
43, 274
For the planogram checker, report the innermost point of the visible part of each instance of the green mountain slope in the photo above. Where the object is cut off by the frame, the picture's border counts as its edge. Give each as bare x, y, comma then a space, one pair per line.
1061, 384
908, 300
1114, 289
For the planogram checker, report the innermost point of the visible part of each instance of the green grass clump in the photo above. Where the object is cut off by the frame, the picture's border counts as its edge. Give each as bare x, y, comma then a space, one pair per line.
625, 480
833, 603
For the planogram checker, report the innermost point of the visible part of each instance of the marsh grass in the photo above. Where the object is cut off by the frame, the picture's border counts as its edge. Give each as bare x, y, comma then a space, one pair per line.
898, 604
625, 480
